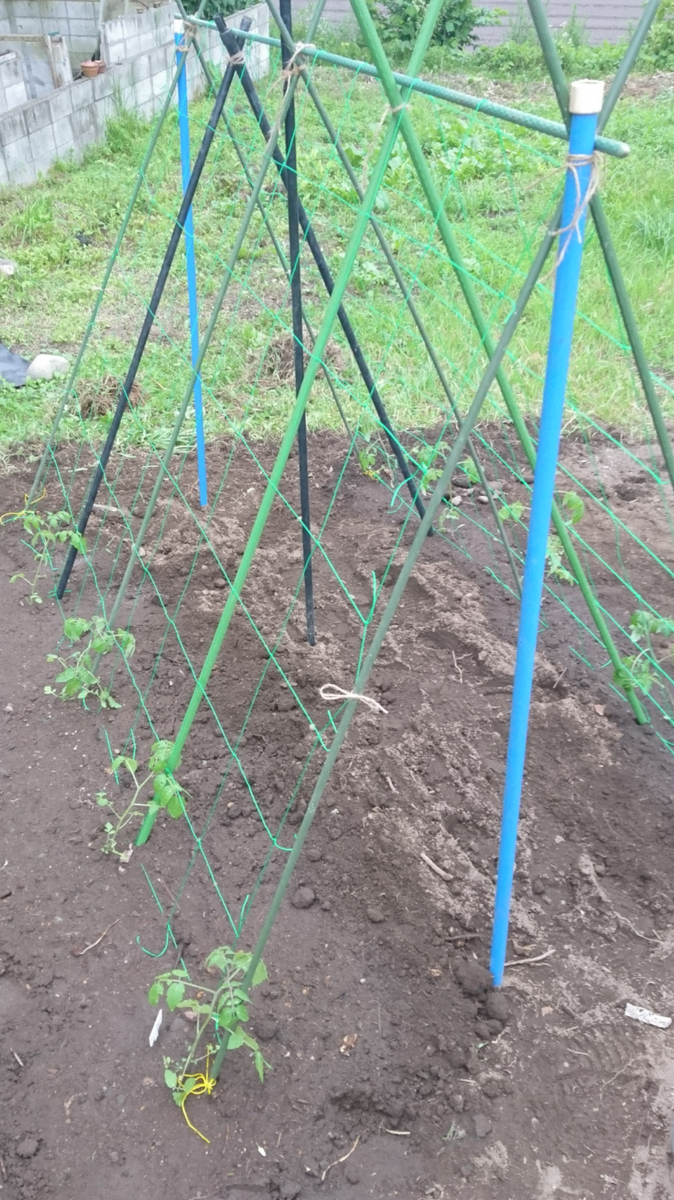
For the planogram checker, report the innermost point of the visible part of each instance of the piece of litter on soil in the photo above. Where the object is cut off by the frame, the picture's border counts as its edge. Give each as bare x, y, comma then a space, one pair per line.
262, 1151
647, 1017
125, 856
348, 1043
154, 1032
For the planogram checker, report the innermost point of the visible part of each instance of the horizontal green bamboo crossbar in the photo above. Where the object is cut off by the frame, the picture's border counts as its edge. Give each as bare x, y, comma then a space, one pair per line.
424, 87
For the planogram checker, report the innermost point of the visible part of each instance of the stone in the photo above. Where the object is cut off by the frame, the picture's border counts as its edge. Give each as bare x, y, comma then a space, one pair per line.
303, 898
46, 366
352, 1175
456, 1101
314, 854
28, 1148
7, 267
375, 915
497, 1007
472, 978
482, 1030
494, 1027
538, 887
482, 1125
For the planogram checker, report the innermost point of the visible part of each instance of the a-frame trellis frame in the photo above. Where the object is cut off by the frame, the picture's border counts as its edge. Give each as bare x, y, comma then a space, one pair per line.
400, 122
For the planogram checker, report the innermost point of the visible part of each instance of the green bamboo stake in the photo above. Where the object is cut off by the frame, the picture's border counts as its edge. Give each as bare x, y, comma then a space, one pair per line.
106, 276
415, 151
554, 65
348, 262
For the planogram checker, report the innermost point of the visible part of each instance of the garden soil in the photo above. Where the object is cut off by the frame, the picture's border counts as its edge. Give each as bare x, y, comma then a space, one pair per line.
395, 1069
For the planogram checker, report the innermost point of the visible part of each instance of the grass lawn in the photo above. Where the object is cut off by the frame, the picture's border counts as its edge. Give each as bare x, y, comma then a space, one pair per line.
500, 186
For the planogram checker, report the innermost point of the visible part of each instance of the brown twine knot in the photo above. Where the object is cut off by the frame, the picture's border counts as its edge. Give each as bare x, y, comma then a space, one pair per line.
291, 68
237, 60
573, 163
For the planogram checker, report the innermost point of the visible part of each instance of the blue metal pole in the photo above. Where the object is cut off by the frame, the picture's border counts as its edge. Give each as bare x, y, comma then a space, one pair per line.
585, 104
184, 126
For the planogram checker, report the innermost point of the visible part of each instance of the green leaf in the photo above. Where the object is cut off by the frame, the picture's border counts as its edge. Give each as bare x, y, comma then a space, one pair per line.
126, 641
259, 1064
260, 974
155, 992
242, 1012
102, 644
102, 799
161, 752
75, 627
236, 1039
69, 673
218, 958
174, 807
574, 505
174, 995
170, 1079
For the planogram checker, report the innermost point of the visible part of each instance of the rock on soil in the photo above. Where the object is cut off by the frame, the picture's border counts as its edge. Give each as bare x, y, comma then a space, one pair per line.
303, 898
46, 366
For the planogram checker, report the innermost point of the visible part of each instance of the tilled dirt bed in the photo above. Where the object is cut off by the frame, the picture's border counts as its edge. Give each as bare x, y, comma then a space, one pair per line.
395, 1070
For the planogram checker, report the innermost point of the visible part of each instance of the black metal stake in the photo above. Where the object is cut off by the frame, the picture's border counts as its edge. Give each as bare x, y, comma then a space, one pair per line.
174, 241
298, 329
250, 91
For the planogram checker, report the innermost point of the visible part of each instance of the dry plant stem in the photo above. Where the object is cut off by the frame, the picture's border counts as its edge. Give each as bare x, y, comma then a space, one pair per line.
434, 867
527, 962
340, 1160
79, 953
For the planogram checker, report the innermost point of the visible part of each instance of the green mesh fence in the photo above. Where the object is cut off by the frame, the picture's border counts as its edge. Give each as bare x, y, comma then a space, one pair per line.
499, 185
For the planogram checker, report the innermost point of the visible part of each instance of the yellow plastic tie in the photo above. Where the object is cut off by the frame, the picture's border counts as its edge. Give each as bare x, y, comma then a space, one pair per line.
203, 1086
25, 512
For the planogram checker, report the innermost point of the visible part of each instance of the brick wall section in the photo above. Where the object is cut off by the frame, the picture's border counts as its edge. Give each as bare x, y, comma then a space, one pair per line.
64, 123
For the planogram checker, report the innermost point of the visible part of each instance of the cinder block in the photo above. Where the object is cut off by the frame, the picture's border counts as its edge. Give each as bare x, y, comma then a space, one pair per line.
15, 95
105, 108
159, 83
140, 68
83, 93
124, 75
61, 102
4, 173
79, 28
17, 153
103, 86
38, 114
42, 164
143, 92
13, 127
42, 143
63, 132
84, 121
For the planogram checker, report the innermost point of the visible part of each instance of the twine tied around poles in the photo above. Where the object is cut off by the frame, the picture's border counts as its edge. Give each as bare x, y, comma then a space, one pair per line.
292, 68
237, 60
573, 164
330, 692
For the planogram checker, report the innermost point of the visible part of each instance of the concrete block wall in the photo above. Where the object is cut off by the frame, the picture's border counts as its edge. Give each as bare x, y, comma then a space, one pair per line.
43, 61
12, 85
126, 36
63, 123
75, 20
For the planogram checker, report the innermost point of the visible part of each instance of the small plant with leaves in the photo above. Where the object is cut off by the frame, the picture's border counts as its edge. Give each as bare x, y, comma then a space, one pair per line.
218, 1012
367, 459
573, 508
167, 793
640, 667
431, 464
511, 512
45, 532
77, 677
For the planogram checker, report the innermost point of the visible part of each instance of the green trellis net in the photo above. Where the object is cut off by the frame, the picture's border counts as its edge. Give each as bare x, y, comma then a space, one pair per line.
500, 186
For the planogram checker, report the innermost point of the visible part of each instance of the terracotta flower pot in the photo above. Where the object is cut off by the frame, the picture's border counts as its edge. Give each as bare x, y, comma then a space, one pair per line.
101, 66
89, 68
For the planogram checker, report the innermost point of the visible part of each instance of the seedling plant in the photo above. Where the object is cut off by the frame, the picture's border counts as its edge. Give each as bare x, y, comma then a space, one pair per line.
44, 533
167, 794
216, 1011
77, 677
640, 667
